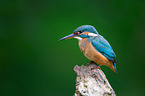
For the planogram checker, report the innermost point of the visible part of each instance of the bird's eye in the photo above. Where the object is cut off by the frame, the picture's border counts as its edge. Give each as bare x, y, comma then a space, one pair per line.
81, 31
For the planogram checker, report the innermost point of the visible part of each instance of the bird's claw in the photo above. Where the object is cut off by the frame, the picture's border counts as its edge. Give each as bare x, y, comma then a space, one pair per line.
90, 63
97, 67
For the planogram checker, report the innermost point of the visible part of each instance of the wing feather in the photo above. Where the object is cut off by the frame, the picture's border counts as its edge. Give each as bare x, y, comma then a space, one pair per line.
103, 46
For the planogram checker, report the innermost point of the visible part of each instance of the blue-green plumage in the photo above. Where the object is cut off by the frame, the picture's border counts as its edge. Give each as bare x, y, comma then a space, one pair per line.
86, 28
103, 46
100, 44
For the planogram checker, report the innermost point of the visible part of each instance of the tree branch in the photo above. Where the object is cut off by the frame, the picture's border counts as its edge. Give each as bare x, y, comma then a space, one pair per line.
92, 82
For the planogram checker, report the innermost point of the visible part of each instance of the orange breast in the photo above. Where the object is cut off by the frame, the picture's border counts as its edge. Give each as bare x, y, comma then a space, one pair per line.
92, 54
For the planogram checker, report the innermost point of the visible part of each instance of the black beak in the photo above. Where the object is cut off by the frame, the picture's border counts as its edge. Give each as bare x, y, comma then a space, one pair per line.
67, 37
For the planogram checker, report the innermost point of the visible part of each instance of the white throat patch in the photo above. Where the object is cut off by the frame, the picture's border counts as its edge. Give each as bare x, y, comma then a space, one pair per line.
93, 34
79, 38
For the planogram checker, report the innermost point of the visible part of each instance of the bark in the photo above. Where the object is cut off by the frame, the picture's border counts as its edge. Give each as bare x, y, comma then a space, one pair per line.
92, 82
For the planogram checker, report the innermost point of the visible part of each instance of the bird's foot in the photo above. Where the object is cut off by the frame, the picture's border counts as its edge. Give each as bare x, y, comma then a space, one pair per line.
90, 63
97, 67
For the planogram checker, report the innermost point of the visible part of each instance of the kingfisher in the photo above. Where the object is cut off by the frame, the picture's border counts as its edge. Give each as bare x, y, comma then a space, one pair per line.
94, 46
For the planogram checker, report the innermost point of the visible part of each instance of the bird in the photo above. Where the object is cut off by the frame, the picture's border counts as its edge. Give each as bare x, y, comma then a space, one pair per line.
94, 46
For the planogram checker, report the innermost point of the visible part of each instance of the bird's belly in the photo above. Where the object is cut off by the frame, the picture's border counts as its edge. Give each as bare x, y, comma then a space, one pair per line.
92, 54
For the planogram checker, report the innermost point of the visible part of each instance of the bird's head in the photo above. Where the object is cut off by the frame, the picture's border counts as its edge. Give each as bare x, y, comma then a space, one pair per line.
81, 32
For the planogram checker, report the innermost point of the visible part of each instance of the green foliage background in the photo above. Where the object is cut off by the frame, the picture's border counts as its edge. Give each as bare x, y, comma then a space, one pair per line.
34, 63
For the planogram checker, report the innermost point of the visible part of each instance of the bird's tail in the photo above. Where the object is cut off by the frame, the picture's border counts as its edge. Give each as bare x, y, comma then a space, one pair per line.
113, 67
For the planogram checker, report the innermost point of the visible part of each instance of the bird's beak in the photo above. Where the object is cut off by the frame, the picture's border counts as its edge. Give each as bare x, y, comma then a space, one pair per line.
68, 37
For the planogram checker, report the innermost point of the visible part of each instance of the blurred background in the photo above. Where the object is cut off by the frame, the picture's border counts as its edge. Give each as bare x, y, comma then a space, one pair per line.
34, 63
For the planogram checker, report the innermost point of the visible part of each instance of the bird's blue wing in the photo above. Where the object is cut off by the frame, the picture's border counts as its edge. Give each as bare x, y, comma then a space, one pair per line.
103, 46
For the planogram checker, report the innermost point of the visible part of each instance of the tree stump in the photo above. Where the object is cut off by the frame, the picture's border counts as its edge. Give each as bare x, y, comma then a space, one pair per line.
92, 82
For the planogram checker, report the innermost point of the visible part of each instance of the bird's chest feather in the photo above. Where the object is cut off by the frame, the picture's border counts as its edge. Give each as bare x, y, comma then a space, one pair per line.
91, 53
83, 44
